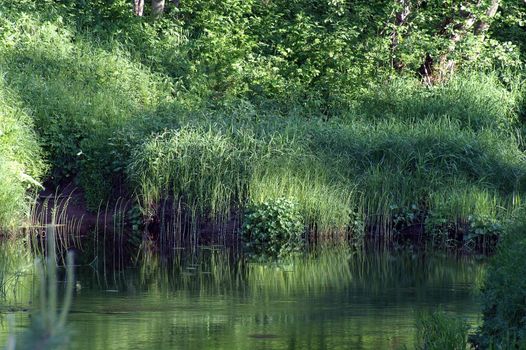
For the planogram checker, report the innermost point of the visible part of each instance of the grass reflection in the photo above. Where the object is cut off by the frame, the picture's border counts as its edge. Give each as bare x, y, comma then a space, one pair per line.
213, 299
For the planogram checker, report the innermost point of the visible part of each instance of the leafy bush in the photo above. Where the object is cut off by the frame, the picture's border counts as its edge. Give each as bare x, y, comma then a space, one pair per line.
439, 331
468, 217
504, 292
273, 229
404, 218
472, 232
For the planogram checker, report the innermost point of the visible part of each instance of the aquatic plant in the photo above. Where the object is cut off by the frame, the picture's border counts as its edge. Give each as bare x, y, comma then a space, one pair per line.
439, 330
273, 229
48, 326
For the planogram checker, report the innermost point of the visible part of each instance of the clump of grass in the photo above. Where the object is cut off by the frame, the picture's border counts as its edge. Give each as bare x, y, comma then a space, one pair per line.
331, 169
215, 171
439, 330
204, 167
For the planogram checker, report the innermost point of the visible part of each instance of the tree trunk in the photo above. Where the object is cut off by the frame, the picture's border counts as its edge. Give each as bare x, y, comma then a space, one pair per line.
469, 22
157, 8
446, 65
482, 26
138, 7
400, 20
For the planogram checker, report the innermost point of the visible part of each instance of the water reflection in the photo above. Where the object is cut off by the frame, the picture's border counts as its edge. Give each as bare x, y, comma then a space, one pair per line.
211, 300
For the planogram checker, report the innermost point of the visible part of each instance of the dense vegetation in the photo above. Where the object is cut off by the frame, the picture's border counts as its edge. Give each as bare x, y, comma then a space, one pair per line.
21, 163
384, 115
287, 121
505, 293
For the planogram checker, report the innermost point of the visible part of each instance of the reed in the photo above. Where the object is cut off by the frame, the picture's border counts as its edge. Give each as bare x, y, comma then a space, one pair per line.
331, 169
440, 330
48, 327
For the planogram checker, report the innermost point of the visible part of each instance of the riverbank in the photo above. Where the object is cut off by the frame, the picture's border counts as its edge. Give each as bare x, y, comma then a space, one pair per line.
389, 157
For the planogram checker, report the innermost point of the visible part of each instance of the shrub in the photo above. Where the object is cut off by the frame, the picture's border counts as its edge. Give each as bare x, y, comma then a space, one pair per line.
439, 331
504, 292
273, 229
473, 232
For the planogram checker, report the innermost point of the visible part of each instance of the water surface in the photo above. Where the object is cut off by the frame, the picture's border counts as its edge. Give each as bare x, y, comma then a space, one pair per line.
210, 300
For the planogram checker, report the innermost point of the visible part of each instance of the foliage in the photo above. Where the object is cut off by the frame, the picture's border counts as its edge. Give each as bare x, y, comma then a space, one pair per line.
406, 217
319, 54
439, 330
219, 103
273, 229
79, 93
504, 292
21, 159
473, 232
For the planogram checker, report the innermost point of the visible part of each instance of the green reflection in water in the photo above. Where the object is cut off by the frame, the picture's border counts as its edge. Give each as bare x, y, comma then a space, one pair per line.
210, 300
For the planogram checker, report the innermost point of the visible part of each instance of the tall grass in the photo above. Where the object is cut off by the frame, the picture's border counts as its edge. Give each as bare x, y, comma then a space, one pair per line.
475, 99
78, 93
332, 169
21, 159
439, 330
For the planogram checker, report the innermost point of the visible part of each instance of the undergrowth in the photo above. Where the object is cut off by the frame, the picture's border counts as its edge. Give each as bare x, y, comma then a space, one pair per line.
333, 169
503, 293
21, 159
162, 113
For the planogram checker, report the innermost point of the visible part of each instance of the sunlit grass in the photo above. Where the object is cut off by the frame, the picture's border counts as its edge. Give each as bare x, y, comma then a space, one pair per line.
332, 169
